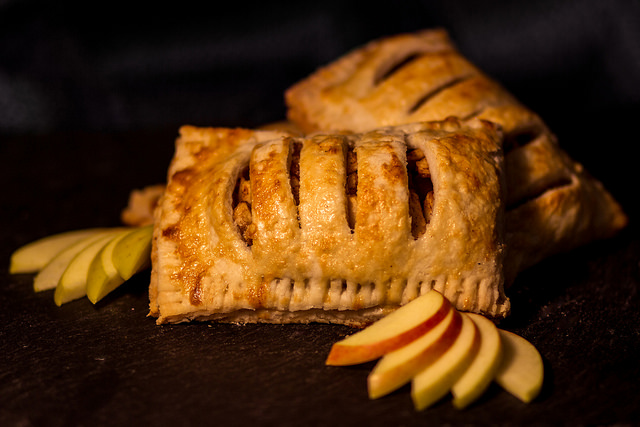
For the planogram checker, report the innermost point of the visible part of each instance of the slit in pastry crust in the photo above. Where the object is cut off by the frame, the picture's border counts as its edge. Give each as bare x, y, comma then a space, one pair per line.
307, 261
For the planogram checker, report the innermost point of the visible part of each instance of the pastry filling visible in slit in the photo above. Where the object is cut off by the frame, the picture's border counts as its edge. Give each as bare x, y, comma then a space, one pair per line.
294, 171
351, 187
241, 205
421, 195
420, 191
241, 199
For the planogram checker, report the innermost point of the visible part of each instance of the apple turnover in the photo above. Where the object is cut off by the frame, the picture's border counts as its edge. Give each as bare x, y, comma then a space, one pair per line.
553, 204
267, 226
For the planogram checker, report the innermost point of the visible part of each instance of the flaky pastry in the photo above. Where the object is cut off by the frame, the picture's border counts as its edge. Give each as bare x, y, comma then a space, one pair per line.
266, 226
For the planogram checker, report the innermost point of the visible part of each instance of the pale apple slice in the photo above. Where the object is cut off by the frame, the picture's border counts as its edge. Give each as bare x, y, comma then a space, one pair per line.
103, 276
33, 256
480, 373
435, 381
521, 371
132, 254
50, 275
398, 367
73, 283
393, 331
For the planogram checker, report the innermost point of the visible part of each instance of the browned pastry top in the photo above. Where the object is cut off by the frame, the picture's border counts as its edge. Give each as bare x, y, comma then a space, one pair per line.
265, 226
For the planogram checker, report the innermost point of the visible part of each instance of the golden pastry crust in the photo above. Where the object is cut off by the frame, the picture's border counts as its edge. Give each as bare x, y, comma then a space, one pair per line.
421, 76
303, 261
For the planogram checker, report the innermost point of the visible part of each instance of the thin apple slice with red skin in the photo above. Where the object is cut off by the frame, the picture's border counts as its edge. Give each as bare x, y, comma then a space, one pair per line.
480, 373
391, 332
435, 381
398, 367
521, 371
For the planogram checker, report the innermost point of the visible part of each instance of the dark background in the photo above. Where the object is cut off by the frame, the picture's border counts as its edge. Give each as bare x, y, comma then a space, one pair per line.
91, 97
126, 64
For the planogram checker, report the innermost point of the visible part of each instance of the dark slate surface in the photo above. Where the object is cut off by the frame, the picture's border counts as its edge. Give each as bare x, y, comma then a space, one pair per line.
110, 364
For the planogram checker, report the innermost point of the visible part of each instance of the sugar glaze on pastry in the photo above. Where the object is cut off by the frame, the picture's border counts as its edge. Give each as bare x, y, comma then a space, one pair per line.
265, 226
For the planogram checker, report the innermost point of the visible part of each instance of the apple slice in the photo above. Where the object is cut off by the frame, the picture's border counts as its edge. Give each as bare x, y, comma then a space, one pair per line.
393, 331
521, 372
435, 381
478, 376
33, 256
132, 254
73, 283
103, 276
50, 275
399, 367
